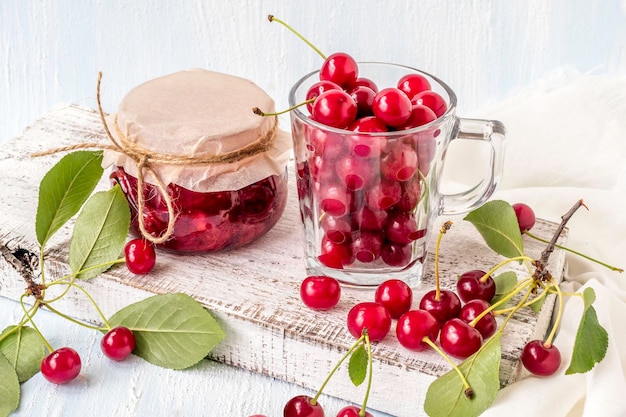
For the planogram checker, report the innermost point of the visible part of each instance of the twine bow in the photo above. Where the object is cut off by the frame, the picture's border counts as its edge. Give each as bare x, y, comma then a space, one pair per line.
144, 159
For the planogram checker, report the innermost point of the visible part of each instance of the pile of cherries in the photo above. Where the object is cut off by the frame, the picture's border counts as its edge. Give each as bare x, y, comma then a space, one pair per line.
366, 186
64, 364
449, 316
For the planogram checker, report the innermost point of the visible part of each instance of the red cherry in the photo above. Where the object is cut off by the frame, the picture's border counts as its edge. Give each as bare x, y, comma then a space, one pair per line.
334, 199
352, 411
458, 339
400, 164
540, 359
324, 143
118, 343
432, 100
411, 84
334, 108
301, 406
415, 325
392, 106
318, 88
366, 245
487, 326
395, 295
320, 292
443, 309
337, 229
335, 255
394, 254
368, 219
366, 82
371, 316
420, 115
364, 98
140, 256
366, 146
525, 216
355, 173
383, 195
410, 194
340, 68
61, 366
401, 228
470, 287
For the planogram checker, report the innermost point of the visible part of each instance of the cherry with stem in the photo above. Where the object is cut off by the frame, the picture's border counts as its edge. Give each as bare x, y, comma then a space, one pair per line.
442, 304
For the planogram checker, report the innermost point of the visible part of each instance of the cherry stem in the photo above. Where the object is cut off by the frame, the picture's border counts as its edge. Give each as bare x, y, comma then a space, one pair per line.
559, 314
611, 267
260, 112
369, 376
518, 288
271, 18
501, 264
541, 273
332, 372
71, 284
23, 321
518, 306
444, 228
469, 392
32, 322
73, 276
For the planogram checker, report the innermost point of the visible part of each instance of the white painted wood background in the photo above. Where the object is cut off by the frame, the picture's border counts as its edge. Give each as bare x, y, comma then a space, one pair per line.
51, 50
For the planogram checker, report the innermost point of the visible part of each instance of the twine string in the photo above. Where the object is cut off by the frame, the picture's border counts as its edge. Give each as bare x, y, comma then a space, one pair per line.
144, 158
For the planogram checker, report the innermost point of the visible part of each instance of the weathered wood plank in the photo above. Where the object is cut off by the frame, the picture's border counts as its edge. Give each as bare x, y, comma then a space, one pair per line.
252, 291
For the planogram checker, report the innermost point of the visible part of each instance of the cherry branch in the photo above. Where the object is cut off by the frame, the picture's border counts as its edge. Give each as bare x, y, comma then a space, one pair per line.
541, 273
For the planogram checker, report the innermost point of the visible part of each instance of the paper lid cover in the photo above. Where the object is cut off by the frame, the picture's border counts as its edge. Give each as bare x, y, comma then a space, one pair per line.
200, 114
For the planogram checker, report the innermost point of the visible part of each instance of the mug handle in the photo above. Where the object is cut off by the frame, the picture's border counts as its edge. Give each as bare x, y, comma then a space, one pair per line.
493, 132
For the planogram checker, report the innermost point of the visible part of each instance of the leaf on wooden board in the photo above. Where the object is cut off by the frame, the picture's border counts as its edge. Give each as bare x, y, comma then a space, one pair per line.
538, 304
497, 223
64, 189
171, 330
592, 340
446, 395
505, 282
9, 388
24, 350
357, 366
100, 233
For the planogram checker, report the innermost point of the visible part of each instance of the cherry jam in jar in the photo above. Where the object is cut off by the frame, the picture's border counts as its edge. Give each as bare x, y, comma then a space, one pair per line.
209, 221
212, 173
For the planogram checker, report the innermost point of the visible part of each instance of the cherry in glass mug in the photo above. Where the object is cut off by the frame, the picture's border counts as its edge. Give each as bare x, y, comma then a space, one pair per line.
368, 200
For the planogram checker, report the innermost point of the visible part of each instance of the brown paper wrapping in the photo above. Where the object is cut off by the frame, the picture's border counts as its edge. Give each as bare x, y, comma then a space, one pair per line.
199, 113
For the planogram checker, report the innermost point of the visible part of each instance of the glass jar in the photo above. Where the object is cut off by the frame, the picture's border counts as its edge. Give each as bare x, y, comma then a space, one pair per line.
207, 222
194, 142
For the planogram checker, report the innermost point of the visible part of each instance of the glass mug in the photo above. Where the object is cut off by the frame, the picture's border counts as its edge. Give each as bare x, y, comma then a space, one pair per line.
368, 201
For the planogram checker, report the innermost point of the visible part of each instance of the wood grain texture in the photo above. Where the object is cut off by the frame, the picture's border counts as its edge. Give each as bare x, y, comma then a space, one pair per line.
252, 291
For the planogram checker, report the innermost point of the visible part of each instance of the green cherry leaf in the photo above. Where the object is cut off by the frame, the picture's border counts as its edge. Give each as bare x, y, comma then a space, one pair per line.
497, 223
446, 395
99, 233
592, 340
64, 189
171, 330
24, 350
357, 367
9, 388
505, 282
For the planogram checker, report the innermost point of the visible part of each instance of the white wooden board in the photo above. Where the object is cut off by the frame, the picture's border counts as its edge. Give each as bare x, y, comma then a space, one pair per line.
253, 291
